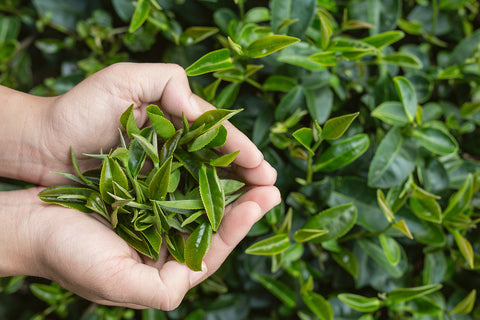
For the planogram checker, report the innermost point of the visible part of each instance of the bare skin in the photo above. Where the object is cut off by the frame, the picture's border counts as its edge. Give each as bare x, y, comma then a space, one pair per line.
79, 251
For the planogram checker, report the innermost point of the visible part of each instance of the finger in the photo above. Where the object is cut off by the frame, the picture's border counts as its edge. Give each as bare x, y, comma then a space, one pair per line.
238, 220
263, 175
249, 156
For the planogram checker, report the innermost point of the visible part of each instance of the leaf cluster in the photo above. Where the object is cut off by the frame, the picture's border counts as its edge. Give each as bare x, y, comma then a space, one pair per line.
160, 186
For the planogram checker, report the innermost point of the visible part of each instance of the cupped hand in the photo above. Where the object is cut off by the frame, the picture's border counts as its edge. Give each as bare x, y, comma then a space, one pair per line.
87, 116
84, 255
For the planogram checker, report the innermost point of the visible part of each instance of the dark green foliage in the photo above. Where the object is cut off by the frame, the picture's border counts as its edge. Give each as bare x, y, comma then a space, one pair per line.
369, 110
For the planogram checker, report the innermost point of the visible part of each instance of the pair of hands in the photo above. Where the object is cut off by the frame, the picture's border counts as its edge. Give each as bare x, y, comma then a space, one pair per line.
80, 251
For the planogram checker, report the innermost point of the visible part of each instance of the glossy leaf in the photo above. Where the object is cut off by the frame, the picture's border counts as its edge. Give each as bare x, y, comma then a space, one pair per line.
393, 161
288, 103
269, 44
162, 125
391, 112
149, 149
318, 305
391, 248
466, 305
402, 60
277, 288
212, 194
465, 248
360, 303
176, 247
342, 153
435, 139
140, 15
212, 118
383, 204
194, 35
407, 96
204, 139
158, 186
225, 160
426, 209
197, 246
334, 128
346, 259
181, 206
402, 226
319, 103
111, 171
406, 294
127, 121
460, 199
326, 58
220, 138
270, 246
337, 221
305, 235
279, 83
384, 39
210, 62
376, 252
301, 12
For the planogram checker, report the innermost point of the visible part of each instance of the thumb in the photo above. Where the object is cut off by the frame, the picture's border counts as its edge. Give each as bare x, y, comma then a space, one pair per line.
144, 285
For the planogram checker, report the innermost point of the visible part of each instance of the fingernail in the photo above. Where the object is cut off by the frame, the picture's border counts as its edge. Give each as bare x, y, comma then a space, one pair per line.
196, 276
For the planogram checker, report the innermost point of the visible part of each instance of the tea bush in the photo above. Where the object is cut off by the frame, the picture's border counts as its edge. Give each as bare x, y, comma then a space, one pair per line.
367, 109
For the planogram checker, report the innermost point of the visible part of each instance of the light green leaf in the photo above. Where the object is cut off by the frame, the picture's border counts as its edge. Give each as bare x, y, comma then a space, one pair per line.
391, 112
466, 305
400, 59
318, 305
194, 35
269, 44
342, 153
407, 95
337, 221
212, 194
334, 128
460, 200
406, 294
384, 39
277, 288
360, 303
210, 62
197, 246
435, 139
391, 248
271, 246
465, 248
140, 15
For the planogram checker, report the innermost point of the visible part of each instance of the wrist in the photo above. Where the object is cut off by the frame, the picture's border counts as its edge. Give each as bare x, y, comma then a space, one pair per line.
20, 135
18, 252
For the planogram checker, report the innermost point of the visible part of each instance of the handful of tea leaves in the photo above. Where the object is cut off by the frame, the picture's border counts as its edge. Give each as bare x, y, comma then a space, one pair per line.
181, 194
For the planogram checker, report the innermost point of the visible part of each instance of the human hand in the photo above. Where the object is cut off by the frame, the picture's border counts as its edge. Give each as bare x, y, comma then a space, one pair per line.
83, 254
87, 117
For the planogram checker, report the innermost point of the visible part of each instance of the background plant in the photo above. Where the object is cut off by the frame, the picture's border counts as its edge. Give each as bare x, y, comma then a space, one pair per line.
367, 109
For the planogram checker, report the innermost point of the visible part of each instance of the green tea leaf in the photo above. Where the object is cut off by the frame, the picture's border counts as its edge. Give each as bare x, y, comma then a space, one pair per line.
401, 59
150, 149
279, 83
426, 209
140, 15
212, 194
346, 259
384, 39
194, 35
270, 246
220, 138
212, 118
154, 239
326, 58
334, 128
230, 186
204, 139
391, 112
269, 44
225, 160
162, 125
278, 289
111, 171
383, 204
210, 62
176, 247
391, 248
197, 246
465, 248
342, 153
407, 95
337, 221
466, 305
360, 303
402, 226
435, 139
318, 305
393, 161
304, 136
306, 235
406, 294
158, 187
460, 200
